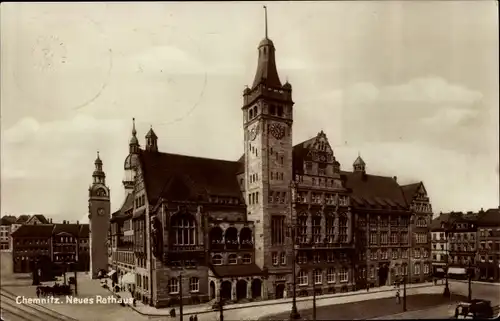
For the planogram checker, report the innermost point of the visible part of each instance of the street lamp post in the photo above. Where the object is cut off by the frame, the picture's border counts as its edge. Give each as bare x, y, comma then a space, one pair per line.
447, 230
404, 292
314, 299
294, 313
469, 272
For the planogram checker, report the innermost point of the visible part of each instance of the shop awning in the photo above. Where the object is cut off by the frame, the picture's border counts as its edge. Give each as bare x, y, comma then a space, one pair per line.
110, 273
128, 278
455, 270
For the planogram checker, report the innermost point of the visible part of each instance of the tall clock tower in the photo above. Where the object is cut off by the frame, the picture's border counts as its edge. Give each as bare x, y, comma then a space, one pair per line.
99, 216
267, 122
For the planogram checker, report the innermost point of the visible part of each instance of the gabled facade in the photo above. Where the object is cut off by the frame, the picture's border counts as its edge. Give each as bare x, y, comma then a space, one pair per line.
37, 219
421, 210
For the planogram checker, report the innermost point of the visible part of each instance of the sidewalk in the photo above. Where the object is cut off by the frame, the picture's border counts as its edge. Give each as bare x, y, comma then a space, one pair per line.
207, 307
477, 282
440, 312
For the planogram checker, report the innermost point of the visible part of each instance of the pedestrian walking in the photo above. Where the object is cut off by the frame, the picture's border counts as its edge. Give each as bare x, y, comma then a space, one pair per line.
191, 318
195, 318
398, 297
37, 292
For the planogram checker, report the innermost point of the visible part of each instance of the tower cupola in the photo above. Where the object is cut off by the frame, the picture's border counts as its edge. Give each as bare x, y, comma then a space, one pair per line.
359, 165
267, 72
98, 176
151, 141
134, 142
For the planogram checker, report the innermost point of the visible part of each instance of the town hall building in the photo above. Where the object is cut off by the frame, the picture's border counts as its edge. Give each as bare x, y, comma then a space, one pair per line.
201, 229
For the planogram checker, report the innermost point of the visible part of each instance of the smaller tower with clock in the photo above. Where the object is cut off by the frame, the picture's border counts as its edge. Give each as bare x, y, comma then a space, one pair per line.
99, 215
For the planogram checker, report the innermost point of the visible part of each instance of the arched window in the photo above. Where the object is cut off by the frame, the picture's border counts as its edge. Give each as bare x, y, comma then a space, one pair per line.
302, 278
184, 229
231, 238
216, 238
233, 259
173, 286
246, 238
217, 259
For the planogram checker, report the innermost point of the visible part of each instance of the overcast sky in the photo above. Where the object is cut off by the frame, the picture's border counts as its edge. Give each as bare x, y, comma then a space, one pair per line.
412, 86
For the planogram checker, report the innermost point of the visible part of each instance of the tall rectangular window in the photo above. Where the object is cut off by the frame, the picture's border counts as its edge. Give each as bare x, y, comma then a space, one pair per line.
302, 230
316, 229
277, 230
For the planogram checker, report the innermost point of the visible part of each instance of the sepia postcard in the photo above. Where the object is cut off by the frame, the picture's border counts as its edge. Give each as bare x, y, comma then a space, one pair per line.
211, 161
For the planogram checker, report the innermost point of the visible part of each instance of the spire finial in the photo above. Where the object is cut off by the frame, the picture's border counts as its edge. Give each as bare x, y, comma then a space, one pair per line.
265, 18
359, 154
134, 132
97, 154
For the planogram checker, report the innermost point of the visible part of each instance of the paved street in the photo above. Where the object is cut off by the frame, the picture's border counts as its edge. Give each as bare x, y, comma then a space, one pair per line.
480, 291
490, 291
369, 309
258, 312
115, 312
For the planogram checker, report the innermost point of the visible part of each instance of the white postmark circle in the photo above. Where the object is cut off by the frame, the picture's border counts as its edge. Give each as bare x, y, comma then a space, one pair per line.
59, 70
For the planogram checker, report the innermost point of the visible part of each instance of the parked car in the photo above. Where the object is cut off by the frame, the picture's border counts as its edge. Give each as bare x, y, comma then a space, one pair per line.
475, 309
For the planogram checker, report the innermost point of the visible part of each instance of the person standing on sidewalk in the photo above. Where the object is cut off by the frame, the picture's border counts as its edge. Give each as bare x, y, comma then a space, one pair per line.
398, 297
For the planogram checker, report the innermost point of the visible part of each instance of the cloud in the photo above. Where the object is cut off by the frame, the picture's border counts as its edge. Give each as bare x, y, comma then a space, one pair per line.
414, 162
53, 161
430, 90
427, 109
43, 150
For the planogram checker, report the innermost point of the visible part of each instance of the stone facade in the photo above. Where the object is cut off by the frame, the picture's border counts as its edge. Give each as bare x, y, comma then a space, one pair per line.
99, 215
225, 229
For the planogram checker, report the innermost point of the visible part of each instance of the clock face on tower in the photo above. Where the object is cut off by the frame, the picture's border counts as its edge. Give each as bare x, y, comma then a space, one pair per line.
100, 212
277, 130
252, 132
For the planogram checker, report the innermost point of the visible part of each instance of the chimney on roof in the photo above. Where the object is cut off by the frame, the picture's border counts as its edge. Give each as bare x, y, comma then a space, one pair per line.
77, 222
395, 178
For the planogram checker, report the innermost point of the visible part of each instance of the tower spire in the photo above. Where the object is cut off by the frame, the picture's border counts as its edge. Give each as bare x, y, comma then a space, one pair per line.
265, 18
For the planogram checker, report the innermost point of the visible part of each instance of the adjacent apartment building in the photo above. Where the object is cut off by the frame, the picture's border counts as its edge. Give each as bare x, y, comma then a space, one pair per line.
53, 245
473, 238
